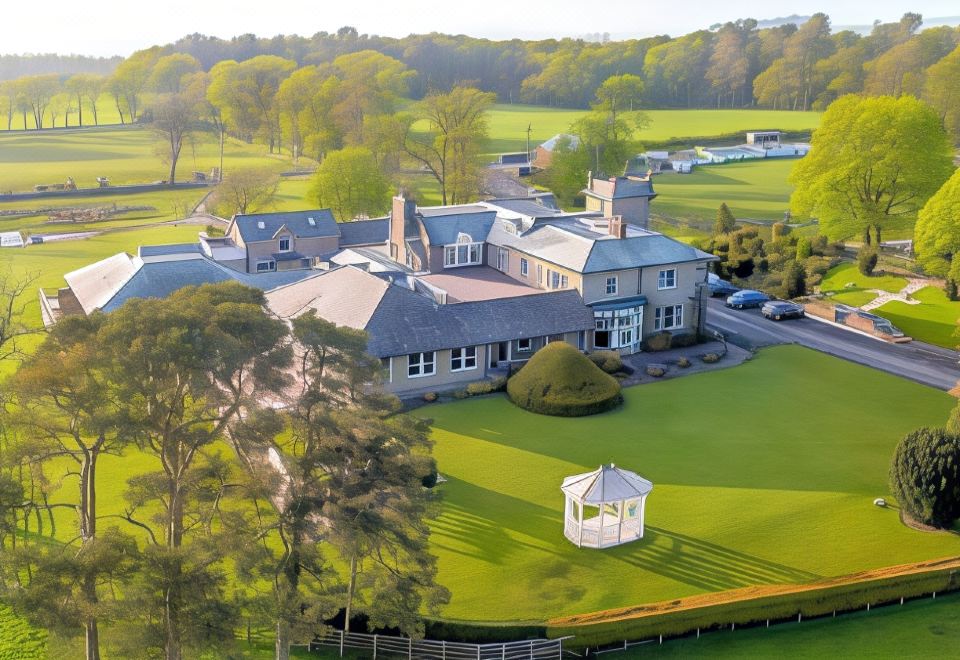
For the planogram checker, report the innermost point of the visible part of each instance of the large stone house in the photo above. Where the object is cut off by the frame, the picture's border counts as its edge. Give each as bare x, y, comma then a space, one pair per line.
448, 294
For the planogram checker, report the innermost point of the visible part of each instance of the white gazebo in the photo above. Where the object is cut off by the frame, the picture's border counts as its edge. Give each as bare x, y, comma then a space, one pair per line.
604, 508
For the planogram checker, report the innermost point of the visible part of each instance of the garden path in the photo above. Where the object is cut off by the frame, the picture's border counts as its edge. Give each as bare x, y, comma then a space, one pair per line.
904, 295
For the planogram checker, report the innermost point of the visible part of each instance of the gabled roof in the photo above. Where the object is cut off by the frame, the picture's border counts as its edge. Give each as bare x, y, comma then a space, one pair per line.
364, 232
96, 284
444, 229
608, 483
402, 321
620, 188
297, 222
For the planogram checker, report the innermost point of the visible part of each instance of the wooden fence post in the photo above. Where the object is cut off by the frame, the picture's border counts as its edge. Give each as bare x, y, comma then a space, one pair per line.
374, 646
341, 643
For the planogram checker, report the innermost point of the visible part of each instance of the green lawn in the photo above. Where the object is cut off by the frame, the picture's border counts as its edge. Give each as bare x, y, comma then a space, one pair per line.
919, 629
854, 288
508, 124
18, 639
756, 190
934, 320
123, 155
764, 473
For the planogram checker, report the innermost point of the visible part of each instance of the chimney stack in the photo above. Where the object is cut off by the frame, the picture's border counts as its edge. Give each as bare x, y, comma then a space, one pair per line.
617, 227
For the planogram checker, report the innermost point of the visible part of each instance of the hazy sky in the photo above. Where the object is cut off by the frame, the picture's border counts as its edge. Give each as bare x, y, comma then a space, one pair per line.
107, 27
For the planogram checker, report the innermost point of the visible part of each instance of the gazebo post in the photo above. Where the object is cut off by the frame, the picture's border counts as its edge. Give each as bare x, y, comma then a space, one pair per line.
600, 535
580, 525
620, 521
643, 504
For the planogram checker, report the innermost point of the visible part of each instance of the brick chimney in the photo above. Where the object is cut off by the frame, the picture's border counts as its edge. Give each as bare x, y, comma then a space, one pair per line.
617, 227
402, 212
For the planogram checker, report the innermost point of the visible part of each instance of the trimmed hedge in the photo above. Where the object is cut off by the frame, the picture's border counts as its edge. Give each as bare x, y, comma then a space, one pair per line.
609, 361
559, 380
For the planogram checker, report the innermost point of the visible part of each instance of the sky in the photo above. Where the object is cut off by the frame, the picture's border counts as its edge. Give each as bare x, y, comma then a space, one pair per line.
118, 27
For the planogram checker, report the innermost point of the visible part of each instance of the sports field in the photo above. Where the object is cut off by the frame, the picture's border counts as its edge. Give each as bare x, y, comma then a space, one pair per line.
743, 495
508, 124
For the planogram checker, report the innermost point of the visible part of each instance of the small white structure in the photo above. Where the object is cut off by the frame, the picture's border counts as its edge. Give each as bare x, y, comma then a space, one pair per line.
605, 507
11, 239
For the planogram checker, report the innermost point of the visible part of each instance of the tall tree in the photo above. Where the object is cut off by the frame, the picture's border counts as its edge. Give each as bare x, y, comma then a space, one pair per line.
86, 89
350, 182
925, 476
873, 164
38, 91
131, 79
245, 191
729, 63
936, 238
941, 89
184, 368
175, 118
171, 72
450, 147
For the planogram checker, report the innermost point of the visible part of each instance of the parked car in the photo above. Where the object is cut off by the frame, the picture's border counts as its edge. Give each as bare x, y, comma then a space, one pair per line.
781, 309
747, 298
719, 287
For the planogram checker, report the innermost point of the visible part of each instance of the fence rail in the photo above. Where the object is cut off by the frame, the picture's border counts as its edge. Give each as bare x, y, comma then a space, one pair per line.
427, 649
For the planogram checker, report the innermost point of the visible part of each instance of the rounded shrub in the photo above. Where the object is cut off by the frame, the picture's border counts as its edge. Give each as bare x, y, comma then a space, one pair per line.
559, 380
480, 387
683, 362
609, 361
925, 476
710, 358
656, 372
660, 341
430, 397
867, 261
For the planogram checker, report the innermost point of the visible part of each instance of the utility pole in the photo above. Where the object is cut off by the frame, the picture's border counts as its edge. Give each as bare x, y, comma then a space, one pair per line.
528, 142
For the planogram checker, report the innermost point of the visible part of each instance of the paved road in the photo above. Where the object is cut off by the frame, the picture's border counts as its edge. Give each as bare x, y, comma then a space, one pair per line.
930, 365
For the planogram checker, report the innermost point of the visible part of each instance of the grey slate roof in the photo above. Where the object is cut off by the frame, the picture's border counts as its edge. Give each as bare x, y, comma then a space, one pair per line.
407, 322
364, 232
526, 207
162, 250
443, 229
296, 221
160, 279
626, 188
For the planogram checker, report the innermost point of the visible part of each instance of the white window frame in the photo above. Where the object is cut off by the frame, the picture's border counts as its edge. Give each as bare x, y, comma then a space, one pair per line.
663, 278
271, 266
503, 259
463, 357
660, 315
472, 254
524, 345
280, 244
615, 281
421, 364
524, 267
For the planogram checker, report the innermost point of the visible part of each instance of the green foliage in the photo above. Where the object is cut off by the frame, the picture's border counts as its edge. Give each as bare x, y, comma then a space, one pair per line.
874, 162
794, 280
710, 358
20, 640
953, 421
351, 184
779, 230
559, 380
609, 361
656, 372
866, 261
942, 90
925, 476
950, 288
659, 341
480, 387
684, 362
937, 235
804, 248
725, 223
430, 397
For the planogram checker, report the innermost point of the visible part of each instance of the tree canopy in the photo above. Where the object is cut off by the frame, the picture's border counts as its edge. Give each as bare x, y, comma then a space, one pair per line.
925, 476
936, 239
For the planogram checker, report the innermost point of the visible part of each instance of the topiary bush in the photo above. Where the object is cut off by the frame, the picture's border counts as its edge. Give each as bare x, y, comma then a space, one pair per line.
925, 476
656, 372
479, 387
609, 361
867, 261
683, 340
660, 341
559, 380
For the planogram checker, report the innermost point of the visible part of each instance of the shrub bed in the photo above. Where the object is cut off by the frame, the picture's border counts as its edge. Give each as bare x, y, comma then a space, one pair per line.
609, 361
559, 380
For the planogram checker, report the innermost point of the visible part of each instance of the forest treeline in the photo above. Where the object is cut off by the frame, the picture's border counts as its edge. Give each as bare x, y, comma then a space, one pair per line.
16, 66
737, 64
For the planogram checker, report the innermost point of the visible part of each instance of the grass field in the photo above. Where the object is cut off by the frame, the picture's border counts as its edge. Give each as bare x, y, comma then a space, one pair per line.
508, 124
919, 629
934, 320
846, 278
756, 190
740, 497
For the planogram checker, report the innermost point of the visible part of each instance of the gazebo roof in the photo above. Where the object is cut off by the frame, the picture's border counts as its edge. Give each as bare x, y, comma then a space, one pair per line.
608, 483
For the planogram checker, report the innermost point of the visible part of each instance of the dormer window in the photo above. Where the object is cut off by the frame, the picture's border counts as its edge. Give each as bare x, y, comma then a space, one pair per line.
285, 244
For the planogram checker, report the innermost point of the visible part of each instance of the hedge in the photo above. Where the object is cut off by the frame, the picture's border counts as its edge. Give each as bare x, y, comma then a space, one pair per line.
559, 380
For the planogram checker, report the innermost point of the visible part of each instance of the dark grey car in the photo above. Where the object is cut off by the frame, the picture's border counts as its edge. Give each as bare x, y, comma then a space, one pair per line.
781, 309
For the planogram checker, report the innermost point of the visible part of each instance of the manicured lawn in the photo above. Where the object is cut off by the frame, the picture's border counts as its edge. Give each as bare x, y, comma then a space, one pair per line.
763, 473
18, 639
919, 629
853, 297
934, 320
508, 124
756, 190
123, 155
851, 287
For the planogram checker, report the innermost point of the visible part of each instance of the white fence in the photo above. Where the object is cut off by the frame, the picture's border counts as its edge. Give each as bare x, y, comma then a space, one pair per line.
384, 645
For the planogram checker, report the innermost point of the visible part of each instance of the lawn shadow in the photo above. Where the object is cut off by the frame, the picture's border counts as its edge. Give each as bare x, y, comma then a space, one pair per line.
489, 537
705, 565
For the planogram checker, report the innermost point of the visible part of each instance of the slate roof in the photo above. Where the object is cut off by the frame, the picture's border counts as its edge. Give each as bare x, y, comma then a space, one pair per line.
626, 188
364, 232
567, 242
163, 250
401, 321
527, 207
443, 229
296, 221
